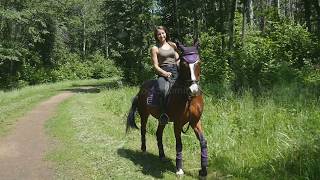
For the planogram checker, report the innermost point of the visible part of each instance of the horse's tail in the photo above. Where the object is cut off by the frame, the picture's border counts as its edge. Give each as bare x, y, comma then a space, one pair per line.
131, 116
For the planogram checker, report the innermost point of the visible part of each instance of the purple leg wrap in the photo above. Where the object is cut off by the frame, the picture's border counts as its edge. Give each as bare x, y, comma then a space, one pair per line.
179, 156
204, 151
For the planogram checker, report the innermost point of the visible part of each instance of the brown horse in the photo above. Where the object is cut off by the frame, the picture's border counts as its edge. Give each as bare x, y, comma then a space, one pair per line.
185, 105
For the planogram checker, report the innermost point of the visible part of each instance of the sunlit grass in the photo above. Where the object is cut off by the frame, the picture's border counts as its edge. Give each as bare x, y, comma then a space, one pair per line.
15, 103
273, 136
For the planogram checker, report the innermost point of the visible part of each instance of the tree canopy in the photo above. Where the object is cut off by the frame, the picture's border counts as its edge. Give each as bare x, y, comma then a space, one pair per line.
244, 43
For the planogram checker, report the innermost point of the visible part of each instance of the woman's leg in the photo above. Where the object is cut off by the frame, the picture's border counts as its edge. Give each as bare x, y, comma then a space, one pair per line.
162, 86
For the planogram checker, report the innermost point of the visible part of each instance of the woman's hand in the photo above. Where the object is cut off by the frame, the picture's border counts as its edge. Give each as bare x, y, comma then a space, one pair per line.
167, 74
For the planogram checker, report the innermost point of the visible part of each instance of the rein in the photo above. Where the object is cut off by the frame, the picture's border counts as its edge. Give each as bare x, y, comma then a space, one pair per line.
185, 131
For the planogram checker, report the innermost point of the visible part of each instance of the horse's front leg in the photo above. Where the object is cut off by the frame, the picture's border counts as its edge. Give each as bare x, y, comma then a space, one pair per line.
203, 144
159, 134
177, 133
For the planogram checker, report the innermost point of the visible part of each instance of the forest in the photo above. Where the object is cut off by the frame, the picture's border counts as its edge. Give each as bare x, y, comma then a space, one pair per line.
245, 44
260, 78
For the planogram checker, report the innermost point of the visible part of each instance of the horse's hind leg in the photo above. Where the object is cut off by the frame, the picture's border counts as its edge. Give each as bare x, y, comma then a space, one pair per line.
159, 134
144, 120
203, 144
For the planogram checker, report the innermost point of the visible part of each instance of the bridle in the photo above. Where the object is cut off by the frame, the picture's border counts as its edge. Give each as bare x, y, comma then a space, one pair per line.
192, 84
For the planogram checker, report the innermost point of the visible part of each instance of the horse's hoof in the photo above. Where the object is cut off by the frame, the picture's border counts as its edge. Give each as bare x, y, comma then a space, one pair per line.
180, 172
203, 172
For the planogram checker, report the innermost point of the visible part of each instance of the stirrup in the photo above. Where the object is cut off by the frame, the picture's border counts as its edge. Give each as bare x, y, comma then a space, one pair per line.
163, 119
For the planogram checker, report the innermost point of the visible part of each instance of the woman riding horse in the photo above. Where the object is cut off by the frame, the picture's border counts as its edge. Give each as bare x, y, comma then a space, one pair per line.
165, 61
184, 104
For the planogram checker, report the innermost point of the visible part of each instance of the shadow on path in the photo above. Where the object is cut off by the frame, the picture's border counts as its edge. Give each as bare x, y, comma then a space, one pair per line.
94, 88
86, 89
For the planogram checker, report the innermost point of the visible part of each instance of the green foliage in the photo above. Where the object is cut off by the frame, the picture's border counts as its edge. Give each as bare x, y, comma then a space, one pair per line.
102, 67
215, 66
266, 137
44, 41
254, 65
311, 79
279, 55
128, 27
274, 136
72, 68
292, 44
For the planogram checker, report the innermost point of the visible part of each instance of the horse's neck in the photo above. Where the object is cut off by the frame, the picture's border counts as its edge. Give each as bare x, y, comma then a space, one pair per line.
178, 89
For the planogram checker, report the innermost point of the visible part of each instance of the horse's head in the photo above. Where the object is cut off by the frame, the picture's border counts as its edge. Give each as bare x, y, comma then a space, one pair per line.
189, 71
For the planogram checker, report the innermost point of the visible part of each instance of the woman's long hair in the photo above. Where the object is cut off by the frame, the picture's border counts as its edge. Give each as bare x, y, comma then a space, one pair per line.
155, 33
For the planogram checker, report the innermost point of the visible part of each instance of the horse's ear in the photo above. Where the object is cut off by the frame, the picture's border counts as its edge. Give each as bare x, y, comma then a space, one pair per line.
196, 43
180, 46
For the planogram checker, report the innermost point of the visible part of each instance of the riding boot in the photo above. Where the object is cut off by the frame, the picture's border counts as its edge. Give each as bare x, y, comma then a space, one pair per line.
163, 119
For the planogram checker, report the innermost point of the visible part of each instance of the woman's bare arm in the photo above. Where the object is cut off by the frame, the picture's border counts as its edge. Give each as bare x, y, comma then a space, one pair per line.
154, 57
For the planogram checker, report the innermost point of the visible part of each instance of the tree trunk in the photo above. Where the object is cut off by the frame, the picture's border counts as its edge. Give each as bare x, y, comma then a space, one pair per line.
175, 19
195, 24
279, 8
1, 28
317, 7
84, 39
83, 32
106, 45
243, 19
291, 15
249, 12
261, 18
307, 14
231, 25
221, 24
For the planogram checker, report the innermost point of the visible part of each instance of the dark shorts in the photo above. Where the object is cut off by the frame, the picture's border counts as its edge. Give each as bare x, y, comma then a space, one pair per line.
173, 68
165, 83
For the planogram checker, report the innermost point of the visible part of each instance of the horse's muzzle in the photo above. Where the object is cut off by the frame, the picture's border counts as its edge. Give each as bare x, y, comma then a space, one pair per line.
194, 89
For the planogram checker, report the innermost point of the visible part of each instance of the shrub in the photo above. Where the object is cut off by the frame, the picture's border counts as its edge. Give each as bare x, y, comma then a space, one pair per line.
215, 67
72, 68
278, 56
102, 67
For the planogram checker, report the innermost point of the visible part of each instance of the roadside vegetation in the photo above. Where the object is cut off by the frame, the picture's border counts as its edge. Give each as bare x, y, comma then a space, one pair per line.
260, 68
15, 103
271, 136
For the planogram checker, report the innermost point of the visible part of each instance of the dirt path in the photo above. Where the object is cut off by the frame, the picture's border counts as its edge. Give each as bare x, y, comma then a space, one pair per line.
23, 150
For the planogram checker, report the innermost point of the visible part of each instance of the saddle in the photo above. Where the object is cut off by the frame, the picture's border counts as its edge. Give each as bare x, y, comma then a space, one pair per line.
153, 98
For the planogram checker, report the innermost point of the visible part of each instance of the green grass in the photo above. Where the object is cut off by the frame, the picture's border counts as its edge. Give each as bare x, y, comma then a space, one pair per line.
274, 136
14, 104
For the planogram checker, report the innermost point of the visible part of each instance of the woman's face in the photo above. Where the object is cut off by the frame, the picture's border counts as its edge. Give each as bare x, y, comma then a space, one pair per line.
161, 34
